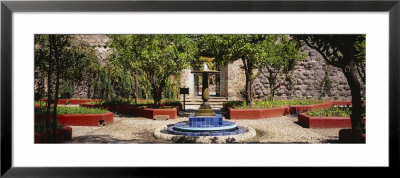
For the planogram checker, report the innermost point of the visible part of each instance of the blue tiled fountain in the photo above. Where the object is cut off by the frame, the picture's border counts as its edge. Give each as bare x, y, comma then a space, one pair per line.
205, 126
205, 122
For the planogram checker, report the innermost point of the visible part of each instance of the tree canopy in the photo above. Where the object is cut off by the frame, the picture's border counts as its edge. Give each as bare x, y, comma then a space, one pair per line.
158, 57
276, 52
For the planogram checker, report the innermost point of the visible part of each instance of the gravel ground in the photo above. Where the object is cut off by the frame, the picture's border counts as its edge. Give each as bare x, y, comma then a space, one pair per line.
140, 130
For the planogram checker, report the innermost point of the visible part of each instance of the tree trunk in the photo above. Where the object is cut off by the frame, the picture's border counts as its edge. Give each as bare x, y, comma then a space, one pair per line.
350, 74
157, 97
271, 87
248, 72
55, 104
248, 96
136, 88
49, 90
54, 124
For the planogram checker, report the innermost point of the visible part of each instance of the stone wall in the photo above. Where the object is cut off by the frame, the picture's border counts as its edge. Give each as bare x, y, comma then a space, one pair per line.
223, 77
236, 80
99, 43
308, 77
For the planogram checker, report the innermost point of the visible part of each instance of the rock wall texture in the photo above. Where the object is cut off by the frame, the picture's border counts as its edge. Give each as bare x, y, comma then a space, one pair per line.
309, 80
99, 43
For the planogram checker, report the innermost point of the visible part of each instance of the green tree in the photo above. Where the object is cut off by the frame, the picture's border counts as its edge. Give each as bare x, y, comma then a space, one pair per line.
342, 51
125, 58
162, 56
279, 60
157, 57
55, 56
252, 50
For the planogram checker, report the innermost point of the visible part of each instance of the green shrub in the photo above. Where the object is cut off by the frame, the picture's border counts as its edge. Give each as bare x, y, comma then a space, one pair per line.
270, 103
67, 92
72, 110
171, 102
331, 112
115, 101
40, 126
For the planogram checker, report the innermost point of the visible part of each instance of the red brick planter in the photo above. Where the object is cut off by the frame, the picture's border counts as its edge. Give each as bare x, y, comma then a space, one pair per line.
83, 119
304, 108
345, 136
87, 105
341, 103
324, 122
151, 112
257, 113
344, 103
142, 111
62, 135
74, 101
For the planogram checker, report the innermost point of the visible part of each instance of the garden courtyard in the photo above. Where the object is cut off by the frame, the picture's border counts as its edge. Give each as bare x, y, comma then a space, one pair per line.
140, 89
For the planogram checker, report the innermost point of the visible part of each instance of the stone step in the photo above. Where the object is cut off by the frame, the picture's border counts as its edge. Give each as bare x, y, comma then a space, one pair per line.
208, 99
211, 99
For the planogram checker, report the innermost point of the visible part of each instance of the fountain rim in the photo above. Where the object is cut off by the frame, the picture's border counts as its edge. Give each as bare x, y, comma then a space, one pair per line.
219, 128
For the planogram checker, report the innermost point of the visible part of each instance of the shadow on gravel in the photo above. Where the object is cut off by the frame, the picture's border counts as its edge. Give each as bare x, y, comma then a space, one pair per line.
330, 141
106, 139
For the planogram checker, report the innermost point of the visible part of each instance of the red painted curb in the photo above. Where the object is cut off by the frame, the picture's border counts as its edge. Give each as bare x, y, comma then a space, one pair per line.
324, 122
82, 119
257, 113
304, 108
139, 110
151, 112
74, 101
62, 135
345, 136
341, 103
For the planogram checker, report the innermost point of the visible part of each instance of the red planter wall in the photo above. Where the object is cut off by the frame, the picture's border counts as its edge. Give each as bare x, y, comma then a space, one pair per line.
324, 122
341, 103
85, 119
62, 135
131, 109
74, 101
82, 119
257, 113
304, 108
151, 112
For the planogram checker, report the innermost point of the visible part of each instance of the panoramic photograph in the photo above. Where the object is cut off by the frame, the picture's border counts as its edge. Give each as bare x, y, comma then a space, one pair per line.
199, 88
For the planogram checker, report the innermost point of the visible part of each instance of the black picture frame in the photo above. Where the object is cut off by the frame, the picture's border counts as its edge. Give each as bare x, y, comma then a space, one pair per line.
8, 7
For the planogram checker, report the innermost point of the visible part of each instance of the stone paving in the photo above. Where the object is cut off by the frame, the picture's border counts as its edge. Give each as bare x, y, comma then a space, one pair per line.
140, 130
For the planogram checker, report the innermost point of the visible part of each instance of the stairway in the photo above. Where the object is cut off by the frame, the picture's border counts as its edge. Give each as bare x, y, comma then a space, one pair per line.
216, 102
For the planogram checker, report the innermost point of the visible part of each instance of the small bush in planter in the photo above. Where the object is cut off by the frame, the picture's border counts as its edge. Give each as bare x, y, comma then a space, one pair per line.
72, 110
67, 92
331, 112
260, 104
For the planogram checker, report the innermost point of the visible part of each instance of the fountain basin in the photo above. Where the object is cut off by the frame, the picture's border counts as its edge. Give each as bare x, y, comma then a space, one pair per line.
184, 126
205, 126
